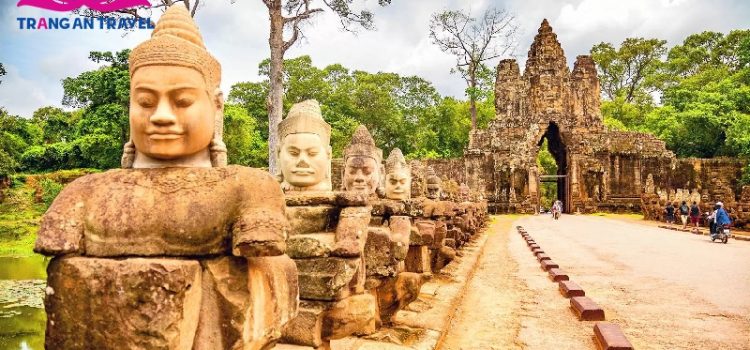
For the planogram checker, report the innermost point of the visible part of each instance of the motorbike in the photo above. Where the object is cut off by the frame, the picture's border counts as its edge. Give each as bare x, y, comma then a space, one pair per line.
722, 234
555, 214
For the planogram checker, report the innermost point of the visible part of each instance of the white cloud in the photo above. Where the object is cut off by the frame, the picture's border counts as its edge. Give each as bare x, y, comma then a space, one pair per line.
21, 96
237, 34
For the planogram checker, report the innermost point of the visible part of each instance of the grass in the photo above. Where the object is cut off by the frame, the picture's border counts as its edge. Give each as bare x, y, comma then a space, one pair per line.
19, 221
23, 207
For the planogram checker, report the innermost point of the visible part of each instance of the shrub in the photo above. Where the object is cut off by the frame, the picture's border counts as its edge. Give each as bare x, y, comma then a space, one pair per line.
49, 190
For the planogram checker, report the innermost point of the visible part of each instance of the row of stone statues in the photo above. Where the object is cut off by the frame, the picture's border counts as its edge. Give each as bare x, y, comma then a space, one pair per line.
363, 251
177, 250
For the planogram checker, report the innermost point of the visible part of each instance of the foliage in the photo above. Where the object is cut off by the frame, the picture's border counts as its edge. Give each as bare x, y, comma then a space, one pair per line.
703, 87
2, 72
27, 199
245, 145
547, 166
50, 190
91, 136
628, 72
404, 112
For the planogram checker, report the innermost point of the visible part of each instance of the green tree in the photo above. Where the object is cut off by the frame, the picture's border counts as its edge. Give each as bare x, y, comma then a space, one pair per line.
252, 97
547, 165
404, 112
56, 125
104, 96
245, 145
704, 87
16, 134
289, 16
629, 72
93, 135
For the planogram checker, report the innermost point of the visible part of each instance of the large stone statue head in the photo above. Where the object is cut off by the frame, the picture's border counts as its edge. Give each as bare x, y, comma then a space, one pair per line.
397, 176
433, 184
176, 106
362, 163
305, 151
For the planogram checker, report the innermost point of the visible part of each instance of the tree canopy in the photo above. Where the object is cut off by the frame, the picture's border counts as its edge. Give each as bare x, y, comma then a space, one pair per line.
404, 112
695, 96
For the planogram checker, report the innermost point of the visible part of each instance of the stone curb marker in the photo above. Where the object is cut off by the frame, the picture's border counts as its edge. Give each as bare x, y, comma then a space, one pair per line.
608, 336
587, 309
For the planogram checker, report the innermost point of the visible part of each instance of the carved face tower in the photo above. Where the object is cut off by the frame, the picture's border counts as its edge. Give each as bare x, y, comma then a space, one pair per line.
398, 176
176, 107
305, 153
362, 163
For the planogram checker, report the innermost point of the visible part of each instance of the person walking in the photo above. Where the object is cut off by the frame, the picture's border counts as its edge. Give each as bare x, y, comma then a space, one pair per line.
669, 210
684, 212
695, 216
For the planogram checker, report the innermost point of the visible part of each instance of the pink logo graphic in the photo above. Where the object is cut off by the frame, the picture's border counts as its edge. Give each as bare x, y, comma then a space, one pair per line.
70, 5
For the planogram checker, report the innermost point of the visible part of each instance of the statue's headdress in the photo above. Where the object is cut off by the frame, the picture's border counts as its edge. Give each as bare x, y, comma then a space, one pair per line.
432, 178
176, 41
395, 161
305, 117
362, 144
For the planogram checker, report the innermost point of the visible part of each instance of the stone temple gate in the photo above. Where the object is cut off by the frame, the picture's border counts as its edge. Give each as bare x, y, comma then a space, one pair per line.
598, 169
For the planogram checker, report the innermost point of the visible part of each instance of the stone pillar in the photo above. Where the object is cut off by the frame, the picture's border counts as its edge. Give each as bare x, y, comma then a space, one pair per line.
637, 177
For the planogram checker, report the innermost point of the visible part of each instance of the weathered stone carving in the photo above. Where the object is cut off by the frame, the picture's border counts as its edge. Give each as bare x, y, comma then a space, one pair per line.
305, 151
598, 169
362, 163
177, 251
398, 176
327, 242
433, 184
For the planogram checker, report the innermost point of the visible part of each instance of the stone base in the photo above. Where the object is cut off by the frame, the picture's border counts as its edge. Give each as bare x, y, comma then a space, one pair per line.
143, 303
418, 259
330, 278
134, 303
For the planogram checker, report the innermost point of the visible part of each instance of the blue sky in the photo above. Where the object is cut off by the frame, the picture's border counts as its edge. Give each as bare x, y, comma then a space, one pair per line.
237, 34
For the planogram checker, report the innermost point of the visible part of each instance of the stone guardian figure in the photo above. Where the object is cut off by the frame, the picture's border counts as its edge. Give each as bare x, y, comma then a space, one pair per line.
362, 163
177, 250
305, 151
398, 176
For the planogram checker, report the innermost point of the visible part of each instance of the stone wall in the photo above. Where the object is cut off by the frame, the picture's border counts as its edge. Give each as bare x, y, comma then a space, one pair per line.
704, 181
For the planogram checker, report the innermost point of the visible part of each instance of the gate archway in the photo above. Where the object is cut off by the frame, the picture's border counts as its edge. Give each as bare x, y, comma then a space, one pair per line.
557, 148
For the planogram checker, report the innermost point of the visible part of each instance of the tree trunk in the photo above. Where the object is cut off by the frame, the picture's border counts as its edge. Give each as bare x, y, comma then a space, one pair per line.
275, 99
473, 100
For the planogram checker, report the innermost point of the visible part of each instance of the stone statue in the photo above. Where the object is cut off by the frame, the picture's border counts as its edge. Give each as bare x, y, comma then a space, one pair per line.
649, 188
398, 176
433, 184
362, 163
305, 151
163, 252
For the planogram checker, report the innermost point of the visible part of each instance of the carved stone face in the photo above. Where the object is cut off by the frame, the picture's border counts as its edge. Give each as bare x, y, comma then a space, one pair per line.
362, 174
304, 159
398, 184
171, 112
433, 191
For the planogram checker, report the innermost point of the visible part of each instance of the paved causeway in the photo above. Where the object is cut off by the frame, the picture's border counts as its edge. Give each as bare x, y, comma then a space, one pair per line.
666, 289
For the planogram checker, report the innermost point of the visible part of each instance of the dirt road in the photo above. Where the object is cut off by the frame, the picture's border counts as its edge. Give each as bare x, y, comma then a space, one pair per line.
666, 289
